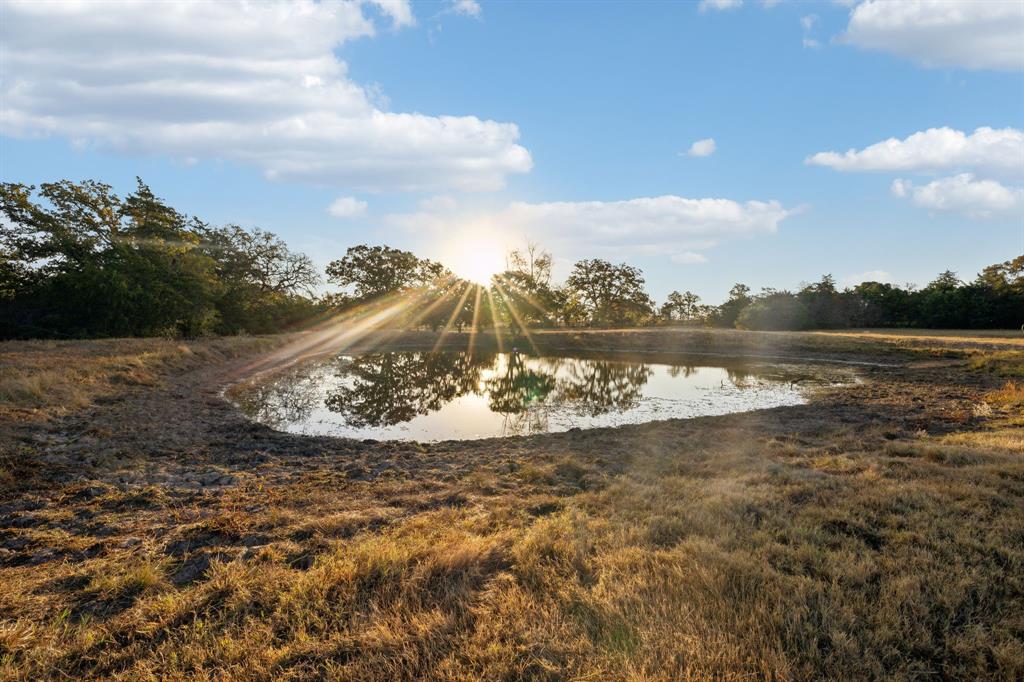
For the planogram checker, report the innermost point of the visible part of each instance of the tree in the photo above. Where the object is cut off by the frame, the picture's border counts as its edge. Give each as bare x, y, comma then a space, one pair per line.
826, 306
682, 307
77, 260
777, 311
100, 266
532, 262
266, 286
728, 312
375, 271
610, 294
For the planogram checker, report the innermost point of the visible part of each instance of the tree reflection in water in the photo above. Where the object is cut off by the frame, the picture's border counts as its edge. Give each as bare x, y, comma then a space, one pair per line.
390, 388
289, 399
598, 387
429, 395
384, 389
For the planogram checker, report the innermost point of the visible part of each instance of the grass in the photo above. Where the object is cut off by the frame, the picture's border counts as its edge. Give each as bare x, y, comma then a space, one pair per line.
859, 537
34, 379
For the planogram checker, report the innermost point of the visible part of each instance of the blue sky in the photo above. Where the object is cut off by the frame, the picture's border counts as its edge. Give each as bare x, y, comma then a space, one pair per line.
580, 118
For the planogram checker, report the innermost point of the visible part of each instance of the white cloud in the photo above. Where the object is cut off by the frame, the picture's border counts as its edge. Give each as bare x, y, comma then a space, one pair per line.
706, 5
807, 23
963, 194
400, 11
347, 207
469, 8
253, 83
869, 276
689, 258
704, 147
973, 34
667, 225
438, 203
935, 149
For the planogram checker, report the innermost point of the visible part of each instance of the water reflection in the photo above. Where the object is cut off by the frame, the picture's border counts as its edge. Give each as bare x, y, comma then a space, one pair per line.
424, 395
390, 388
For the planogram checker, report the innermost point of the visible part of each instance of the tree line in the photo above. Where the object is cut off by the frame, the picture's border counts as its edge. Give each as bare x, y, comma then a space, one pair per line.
78, 261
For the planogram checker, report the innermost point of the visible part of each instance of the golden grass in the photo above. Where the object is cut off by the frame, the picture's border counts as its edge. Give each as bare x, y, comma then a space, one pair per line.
733, 548
36, 378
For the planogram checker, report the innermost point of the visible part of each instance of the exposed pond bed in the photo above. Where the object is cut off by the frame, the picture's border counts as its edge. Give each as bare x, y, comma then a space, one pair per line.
455, 395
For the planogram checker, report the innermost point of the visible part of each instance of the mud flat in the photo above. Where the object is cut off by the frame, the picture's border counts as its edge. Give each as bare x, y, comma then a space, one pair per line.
149, 530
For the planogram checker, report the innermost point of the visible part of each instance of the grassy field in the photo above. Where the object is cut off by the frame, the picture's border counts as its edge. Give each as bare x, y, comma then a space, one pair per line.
147, 531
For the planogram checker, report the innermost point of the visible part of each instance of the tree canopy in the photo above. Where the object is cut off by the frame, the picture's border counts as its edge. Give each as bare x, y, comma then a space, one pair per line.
76, 260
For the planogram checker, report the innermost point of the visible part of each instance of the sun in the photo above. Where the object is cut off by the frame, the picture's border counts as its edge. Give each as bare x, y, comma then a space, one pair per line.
476, 257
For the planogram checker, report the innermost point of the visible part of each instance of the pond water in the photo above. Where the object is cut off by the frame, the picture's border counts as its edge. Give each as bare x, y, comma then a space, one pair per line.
417, 395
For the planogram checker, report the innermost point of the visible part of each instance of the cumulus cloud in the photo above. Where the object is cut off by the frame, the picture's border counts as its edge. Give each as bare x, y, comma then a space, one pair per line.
935, 149
706, 5
973, 34
704, 147
689, 258
468, 8
963, 194
347, 207
253, 83
667, 225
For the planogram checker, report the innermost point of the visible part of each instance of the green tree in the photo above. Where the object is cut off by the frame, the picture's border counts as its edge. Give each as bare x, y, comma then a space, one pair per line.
375, 271
265, 285
776, 311
728, 312
681, 307
610, 294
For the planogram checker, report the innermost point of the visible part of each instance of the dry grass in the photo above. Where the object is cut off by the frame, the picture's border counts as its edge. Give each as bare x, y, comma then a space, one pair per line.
1008, 336
36, 378
845, 542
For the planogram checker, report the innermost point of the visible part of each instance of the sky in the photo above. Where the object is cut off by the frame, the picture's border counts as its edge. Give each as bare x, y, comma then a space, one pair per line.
708, 142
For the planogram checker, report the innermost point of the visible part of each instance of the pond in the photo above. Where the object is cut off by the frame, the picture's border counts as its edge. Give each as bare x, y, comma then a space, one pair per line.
449, 395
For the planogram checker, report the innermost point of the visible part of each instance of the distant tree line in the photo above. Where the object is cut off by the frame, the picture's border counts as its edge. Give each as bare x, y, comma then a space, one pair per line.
78, 261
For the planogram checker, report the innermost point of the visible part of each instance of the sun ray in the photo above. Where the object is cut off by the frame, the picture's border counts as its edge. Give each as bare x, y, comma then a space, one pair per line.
528, 297
494, 320
338, 333
452, 318
515, 315
476, 320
